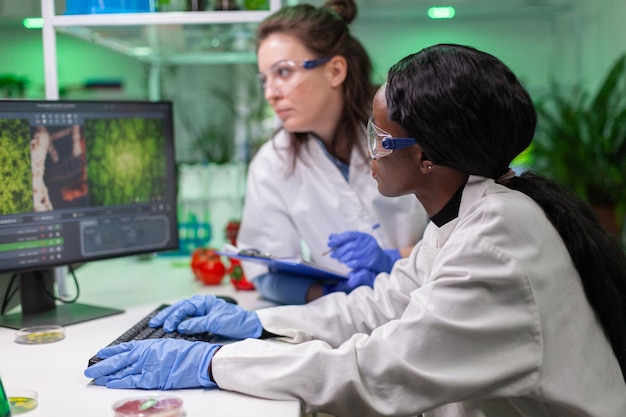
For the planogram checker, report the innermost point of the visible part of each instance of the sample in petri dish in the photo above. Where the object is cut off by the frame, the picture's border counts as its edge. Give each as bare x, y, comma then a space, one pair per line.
38, 335
21, 400
149, 406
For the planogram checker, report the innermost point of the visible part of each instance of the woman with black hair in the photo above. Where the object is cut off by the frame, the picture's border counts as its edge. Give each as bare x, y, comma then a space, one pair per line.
512, 305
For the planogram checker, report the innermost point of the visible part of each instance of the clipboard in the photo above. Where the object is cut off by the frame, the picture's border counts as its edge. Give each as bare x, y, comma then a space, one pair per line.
292, 265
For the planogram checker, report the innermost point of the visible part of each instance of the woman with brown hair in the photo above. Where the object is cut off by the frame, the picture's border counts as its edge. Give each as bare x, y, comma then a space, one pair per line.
312, 179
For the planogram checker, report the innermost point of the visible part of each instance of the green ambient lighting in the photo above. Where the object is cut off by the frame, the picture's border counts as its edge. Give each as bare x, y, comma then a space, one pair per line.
446, 12
33, 23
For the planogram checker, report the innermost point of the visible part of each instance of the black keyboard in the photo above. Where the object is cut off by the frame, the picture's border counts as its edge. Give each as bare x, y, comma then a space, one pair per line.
141, 331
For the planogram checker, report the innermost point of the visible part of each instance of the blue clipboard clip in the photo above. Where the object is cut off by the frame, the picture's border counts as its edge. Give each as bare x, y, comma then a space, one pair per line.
256, 253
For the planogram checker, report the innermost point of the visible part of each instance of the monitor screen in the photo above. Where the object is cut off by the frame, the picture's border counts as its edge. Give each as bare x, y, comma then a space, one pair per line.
81, 181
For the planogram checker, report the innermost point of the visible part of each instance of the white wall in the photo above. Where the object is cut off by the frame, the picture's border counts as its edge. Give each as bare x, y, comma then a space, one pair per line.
577, 44
528, 46
603, 24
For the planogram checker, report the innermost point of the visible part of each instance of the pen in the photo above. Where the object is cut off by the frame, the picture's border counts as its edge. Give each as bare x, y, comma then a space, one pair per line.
326, 252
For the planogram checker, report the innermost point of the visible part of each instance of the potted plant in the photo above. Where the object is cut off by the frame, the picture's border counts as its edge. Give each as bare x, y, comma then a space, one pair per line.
581, 142
249, 109
215, 144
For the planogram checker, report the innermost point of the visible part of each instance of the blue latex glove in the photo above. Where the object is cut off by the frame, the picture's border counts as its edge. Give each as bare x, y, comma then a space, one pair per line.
361, 251
154, 364
283, 288
356, 278
208, 314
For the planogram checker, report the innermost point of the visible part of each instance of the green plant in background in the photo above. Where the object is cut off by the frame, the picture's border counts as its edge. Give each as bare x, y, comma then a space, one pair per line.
214, 145
16, 187
257, 115
581, 140
125, 161
12, 86
215, 141
256, 4
213, 137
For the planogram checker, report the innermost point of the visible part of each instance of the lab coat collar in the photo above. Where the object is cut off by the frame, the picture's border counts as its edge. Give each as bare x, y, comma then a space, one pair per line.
475, 188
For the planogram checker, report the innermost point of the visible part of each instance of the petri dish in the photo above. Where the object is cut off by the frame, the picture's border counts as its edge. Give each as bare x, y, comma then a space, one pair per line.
39, 335
21, 400
149, 406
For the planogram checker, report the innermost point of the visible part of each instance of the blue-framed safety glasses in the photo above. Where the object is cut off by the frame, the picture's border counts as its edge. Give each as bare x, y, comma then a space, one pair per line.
285, 75
381, 143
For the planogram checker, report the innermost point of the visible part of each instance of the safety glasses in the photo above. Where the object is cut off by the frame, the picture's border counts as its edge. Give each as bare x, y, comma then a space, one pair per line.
284, 76
381, 143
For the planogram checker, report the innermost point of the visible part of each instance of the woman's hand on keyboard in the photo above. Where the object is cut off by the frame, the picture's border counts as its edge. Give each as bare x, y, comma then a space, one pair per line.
207, 313
154, 364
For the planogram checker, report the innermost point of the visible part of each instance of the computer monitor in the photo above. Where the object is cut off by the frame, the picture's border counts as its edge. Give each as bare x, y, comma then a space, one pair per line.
81, 181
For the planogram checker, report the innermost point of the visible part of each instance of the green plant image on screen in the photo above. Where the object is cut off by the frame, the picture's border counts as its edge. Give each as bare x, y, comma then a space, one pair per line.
16, 186
125, 161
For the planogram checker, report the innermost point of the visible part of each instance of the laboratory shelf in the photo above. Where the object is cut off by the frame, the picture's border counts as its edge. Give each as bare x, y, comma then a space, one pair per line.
157, 38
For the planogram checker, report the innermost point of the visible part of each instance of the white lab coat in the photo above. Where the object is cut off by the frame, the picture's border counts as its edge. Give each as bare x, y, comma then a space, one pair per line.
283, 208
486, 318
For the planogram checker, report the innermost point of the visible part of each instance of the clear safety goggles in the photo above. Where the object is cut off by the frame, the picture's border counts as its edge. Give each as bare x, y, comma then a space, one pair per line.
381, 143
284, 76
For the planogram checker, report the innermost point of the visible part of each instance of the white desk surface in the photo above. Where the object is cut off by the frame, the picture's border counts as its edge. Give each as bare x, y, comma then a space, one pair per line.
55, 370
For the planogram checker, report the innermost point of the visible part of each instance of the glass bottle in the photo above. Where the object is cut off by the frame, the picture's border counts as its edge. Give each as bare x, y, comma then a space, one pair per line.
5, 409
196, 5
226, 5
